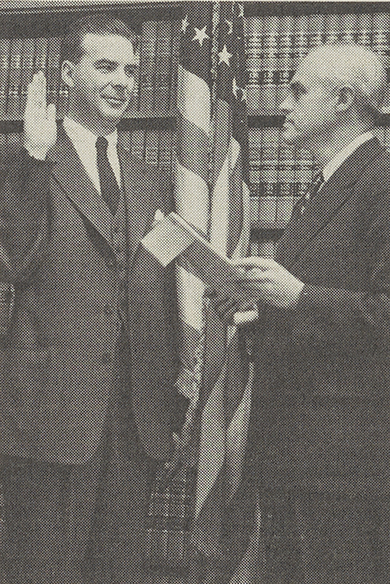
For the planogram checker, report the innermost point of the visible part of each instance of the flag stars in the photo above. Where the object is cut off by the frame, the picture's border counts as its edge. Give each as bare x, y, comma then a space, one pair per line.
200, 35
184, 24
224, 56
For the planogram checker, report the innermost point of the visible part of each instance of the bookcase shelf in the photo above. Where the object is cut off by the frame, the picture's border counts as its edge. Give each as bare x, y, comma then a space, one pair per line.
278, 35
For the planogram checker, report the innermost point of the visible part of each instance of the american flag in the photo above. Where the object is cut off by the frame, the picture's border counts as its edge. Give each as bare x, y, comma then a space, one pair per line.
211, 192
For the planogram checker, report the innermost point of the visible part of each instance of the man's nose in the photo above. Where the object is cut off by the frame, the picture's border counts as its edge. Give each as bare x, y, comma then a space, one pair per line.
120, 78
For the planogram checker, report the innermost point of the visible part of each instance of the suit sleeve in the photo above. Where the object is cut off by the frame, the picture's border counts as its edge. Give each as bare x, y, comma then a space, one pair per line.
337, 312
24, 196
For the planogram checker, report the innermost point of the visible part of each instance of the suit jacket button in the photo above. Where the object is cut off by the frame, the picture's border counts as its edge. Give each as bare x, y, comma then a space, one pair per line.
110, 263
106, 359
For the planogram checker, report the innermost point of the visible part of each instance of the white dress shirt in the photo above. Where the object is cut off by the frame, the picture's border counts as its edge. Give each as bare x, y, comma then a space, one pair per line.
337, 160
84, 142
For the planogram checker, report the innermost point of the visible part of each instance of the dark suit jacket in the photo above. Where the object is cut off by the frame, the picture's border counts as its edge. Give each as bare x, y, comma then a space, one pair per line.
321, 404
58, 358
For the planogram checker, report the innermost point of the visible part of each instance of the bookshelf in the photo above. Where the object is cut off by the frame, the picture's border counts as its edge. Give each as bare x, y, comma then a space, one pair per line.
278, 36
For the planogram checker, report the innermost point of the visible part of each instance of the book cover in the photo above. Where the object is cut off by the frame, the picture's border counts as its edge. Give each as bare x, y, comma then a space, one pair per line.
332, 28
40, 54
268, 80
5, 47
254, 28
138, 143
163, 66
349, 28
53, 72
148, 65
151, 147
15, 73
316, 30
364, 30
285, 57
301, 28
28, 50
175, 55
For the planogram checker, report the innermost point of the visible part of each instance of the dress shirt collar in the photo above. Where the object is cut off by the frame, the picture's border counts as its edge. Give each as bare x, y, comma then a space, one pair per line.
341, 156
79, 134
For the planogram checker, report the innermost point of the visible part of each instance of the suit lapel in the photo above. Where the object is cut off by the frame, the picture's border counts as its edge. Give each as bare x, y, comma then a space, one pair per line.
70, 173
138, 190
301, 230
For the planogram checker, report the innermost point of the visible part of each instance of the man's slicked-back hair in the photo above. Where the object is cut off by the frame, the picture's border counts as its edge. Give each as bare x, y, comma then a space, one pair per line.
100, 23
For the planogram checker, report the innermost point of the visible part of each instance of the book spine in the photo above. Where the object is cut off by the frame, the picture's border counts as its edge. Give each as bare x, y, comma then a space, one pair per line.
316, 31
268, 81
5, 46
163, 66
332, 29
3, 146
268, 178
254, 27
15, 72
175, 55
381, 44
148, 65
349, 28
286, 57
151, 147
138, 143
255, 153
53, 73
40, 56
364, 30
165, 167
124, 139
301, 28
27, 71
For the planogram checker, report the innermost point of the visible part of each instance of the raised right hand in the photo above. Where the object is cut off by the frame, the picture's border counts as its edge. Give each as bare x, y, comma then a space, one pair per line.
40, 128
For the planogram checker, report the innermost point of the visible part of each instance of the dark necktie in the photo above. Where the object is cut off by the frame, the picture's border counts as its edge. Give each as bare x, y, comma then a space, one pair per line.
313, 189
108, 185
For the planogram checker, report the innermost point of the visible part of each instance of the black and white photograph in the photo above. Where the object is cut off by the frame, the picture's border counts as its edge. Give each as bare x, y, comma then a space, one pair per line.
194, 292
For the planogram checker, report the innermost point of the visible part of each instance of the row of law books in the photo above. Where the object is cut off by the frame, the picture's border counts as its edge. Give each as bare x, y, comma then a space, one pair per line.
155, 84
275, 45
280, 174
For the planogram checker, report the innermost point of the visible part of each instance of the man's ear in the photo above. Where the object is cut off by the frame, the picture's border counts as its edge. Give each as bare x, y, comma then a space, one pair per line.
67, 69
345, 98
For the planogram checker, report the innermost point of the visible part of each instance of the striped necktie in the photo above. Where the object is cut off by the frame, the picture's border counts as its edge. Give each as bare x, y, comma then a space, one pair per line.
313, 189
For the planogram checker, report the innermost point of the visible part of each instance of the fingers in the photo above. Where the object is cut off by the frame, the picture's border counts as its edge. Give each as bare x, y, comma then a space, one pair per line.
36, 94
51, 112
255, 262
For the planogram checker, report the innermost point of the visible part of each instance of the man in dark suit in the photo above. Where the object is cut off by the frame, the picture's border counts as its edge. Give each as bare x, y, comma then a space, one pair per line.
88, 403
319, 435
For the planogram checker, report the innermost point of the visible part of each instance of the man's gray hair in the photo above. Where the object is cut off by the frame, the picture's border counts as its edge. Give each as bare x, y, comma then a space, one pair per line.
355, 66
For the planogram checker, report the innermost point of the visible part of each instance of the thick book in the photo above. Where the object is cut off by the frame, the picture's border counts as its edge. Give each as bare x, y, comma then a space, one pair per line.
53, 69
254, 27
28, 50
364, 30
40, 55
175, 56
15, 74
268, 79
286, 57
5, 46
148, 65
173, 237
163, 66
138, 143
151, 147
